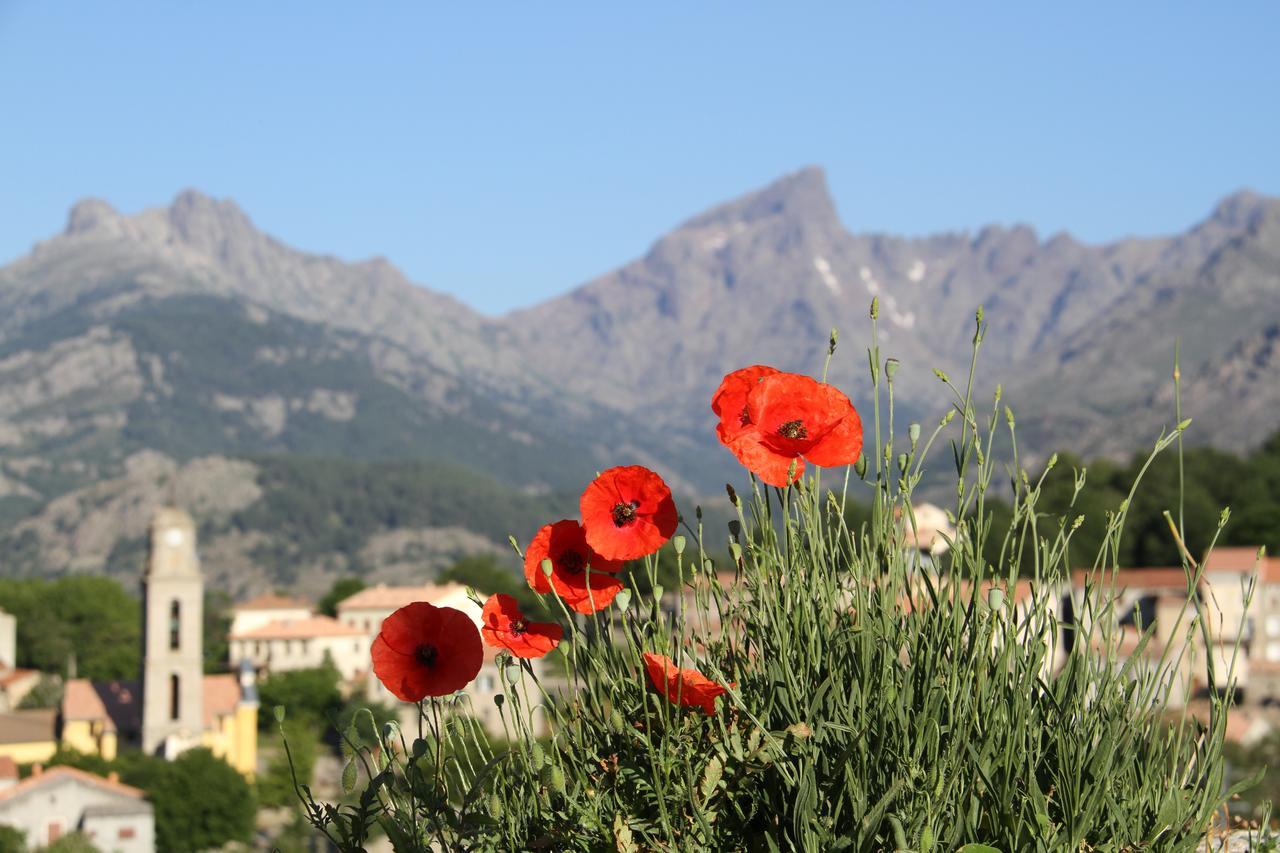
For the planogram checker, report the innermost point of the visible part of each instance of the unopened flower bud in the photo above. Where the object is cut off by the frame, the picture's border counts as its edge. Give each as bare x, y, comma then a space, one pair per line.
677, 542
902, 461
1008, 416
875, 307
623, 600
546, 566
941, 374
499, 699
536, 756
860, 467
553, 778
831, 344
1182, 427
515, 546
948, 417
913, 433
733, 495
995, 598
890, 368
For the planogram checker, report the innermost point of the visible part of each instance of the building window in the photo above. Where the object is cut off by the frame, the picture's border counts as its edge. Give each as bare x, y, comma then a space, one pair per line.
175, 625
175, 683
485, 683
126, 832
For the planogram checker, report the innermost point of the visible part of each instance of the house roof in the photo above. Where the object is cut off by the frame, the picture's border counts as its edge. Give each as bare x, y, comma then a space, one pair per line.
8, 768
383, 597
271, 601
32, 726
221, 696
1237, 559
1271, 570
9, 677
1156, 578
118, 704
299, 629
61, 773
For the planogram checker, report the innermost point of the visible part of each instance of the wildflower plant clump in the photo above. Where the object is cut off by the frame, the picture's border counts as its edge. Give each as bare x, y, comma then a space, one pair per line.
818, 686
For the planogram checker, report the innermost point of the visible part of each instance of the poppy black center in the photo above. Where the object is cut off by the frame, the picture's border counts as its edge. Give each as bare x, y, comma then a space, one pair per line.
426, 655
744, 417
624, 514
518, 627
572, 562
793, 429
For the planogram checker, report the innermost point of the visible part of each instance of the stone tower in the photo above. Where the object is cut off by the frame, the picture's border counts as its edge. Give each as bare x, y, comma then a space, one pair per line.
172, 650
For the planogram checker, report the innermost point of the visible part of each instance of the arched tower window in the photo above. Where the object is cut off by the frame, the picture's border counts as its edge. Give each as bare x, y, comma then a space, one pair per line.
175, 625
175, 707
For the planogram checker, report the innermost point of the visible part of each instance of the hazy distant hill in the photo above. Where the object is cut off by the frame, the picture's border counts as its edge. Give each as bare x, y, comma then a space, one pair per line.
132, 346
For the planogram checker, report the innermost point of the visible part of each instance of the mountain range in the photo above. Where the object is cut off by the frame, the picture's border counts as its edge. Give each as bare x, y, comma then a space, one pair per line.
182, 354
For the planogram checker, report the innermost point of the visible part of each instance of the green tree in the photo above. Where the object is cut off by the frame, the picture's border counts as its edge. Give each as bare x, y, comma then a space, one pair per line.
90, 619
486, 575
75, 842
12, 839
47, 693
275, 786
310, 694
343, 588
217, 627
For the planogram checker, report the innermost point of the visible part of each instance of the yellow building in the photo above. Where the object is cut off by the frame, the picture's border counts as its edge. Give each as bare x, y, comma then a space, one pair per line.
173, 706
28, 736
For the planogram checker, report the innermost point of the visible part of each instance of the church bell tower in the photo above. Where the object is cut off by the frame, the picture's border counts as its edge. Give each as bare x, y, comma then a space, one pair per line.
172, 648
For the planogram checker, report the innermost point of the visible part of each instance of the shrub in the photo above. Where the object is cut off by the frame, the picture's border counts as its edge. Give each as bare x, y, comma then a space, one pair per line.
836, 690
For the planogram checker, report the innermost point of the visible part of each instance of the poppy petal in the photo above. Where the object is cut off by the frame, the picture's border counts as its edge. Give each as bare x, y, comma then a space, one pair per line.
766, 463
841, 446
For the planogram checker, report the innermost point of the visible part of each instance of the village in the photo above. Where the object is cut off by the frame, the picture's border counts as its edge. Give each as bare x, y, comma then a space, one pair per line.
174, 706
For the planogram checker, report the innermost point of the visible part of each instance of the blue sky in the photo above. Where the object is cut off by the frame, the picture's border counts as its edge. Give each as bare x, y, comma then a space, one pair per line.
508, 152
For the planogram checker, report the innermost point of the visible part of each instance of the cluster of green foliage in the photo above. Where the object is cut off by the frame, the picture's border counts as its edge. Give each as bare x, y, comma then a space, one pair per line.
95, 622
873, 700
313, 695
200, 801
91, 620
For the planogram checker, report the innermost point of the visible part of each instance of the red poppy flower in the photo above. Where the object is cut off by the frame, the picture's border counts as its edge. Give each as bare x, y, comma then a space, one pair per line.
574, 566
686, 687
627, 512
730, 400
793, 418
506, 628
424, 650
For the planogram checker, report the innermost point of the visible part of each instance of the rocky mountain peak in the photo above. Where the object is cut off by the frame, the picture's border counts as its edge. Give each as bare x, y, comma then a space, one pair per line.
90, 214
801, 197
208, 223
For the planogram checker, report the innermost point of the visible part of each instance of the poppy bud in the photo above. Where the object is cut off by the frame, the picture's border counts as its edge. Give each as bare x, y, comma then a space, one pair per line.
736, 550
735, 529
831, 345
995, 599
948, 417
535, 755
279, 713
495, 806
697, 511
512, 674
733, 495
499, 699
902, 461
875, 307
553, 778
616, 723
677, 542
419, 747
657, 591
623, 600
860, 467
1182, 427
546, 566
516, 546
913, 433
941, 374
890, 368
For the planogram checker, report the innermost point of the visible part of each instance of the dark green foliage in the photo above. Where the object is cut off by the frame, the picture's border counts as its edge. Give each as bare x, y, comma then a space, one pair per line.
46, 694
90, 617
315, 507
487, 575
217, 627
311, 695
275, 786
12, 840
75, 842
343, 588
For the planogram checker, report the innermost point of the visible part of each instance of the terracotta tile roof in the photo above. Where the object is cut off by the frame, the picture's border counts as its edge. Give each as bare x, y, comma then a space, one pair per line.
1161, 578
299, 629
1271, 570
8, 768
1232, 559
382, 597
271, 601
221, 696
54, 774
116, 703
33, 726
12, 676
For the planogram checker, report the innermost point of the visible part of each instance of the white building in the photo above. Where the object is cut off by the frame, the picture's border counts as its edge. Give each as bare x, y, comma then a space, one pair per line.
52, 803
303, 643
368, 607
266, 609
